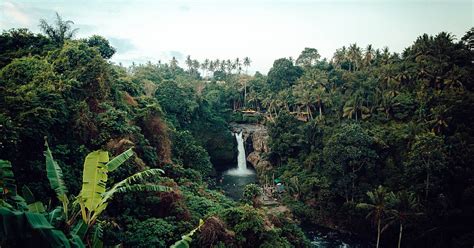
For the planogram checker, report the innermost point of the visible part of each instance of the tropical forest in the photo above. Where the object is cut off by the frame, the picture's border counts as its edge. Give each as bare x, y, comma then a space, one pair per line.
367, 147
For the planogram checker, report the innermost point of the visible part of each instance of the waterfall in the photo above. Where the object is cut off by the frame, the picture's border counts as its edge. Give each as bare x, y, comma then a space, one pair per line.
241, 158
241, 169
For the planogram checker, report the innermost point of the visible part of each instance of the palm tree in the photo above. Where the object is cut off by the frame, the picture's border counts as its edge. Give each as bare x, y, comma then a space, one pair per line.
269, 105
378, 207
195, 65
189, 62
369, 55
174, 63
238, 65
222, 65
385, 55
247, 63
252, 97
60, 31
205, 66
304, 97
321, 97
354, 55
229, 66
405, 205
212, 66
339, 57
352, 107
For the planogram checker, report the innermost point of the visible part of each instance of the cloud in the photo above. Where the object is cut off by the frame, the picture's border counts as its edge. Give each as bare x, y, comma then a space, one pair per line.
176, 54
184, 8
122, 45
14, 13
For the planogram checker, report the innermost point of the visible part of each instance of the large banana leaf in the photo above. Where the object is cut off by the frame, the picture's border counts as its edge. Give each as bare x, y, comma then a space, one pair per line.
8, 187
119, 160
7, 179
36, 207
80, 229
94, 179
55, 175
127, 182
16, 226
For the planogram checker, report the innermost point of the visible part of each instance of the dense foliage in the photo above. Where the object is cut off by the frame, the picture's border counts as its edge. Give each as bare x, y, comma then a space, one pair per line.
66, 90
371, 142
372, 118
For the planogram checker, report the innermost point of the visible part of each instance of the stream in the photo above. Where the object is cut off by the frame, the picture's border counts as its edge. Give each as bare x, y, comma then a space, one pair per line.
233, 180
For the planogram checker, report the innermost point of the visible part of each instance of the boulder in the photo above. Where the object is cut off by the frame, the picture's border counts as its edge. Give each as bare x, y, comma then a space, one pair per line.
254, 158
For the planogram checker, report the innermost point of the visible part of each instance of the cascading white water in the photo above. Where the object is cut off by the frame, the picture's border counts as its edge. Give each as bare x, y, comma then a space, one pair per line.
241, 169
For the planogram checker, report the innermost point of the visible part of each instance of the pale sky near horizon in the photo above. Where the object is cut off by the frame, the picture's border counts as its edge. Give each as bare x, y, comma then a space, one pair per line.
262, 30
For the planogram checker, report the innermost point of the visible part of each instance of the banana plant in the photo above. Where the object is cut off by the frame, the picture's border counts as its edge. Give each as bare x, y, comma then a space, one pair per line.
55, 177
92, 200
19, 215
94, 195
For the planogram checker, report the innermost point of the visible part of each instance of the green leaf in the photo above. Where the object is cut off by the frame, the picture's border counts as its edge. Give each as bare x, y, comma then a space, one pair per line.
55, 215
94, 179
7, 179
80, 229
77, 242
38, 221
186, 239
55, 175
36, 207
97, 237
119, 160
27, 195
143, 188
127, 182
60, 239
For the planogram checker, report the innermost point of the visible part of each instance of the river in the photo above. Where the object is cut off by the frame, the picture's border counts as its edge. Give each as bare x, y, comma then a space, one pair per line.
233, 180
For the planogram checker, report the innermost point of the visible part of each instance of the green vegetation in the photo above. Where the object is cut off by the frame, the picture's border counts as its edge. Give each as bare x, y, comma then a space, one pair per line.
371, 142
341, 128
65, 89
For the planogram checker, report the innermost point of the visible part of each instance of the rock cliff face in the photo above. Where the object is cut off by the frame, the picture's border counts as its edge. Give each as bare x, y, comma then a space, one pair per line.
256, 145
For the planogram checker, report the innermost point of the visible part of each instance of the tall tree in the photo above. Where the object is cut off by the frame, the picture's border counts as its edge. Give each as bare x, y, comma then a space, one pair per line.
354, 55
58, 32
247, 63
308, 57
378, 207
189, 62
405, 207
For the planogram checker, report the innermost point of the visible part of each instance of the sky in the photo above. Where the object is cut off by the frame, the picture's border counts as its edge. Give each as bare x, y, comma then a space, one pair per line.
263, 30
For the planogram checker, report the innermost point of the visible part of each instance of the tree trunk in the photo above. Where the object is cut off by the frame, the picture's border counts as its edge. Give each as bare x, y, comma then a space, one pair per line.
378, 232
400, 236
